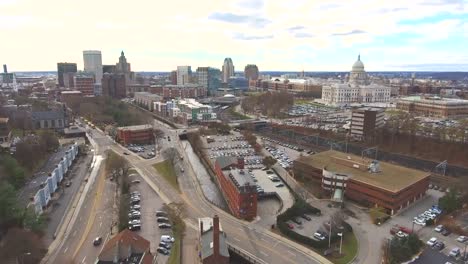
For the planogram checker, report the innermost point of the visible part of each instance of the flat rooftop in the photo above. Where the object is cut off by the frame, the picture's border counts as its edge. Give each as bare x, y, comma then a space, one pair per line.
390, 177
135, 128
241, 177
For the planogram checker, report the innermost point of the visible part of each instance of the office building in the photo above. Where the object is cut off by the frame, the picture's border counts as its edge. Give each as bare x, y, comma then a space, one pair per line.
113, 85
173, 77
212, 241
251, 72
239, 83
184, 75
126, 248
122, 66
84, 84
93, 63
210, 78
179, 91
142, 134
5, 131
434, 106
192, 111
367, 181
6, 78
358, 89
65, 67
109, 69
237, 186
365, 121
228, 69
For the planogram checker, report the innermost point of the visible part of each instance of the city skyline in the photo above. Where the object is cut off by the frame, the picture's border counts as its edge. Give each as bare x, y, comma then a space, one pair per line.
302, 35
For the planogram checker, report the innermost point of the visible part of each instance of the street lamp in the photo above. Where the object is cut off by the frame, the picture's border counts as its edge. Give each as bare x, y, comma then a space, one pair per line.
341, 240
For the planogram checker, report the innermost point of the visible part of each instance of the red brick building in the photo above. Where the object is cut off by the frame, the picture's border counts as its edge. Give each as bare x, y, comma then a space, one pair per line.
179, 91
142, 134
237, 187
369, 182
84, 84
213, 248
114, 85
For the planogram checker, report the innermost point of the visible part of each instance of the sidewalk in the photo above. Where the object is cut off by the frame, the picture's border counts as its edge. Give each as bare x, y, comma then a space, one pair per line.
189, 252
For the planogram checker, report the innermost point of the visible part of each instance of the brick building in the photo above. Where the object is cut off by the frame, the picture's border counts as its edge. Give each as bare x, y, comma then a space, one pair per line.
146, 99
434, 106
213, 248
237, 187
142, 134
114, 85
366, 181
365, 121
179, 91
84, 84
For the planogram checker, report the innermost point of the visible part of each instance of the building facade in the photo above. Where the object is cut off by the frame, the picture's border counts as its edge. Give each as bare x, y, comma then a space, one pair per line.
434, 106
65, 67
179, 91
365, 121
84, 84
237, 187
192, 111
210, 78
240, 83
53, 119
113, 85
358, 89
93, 63
5, 132
142, 134
251, 72
173, 77
147, 100
184, 75
228, 69
369, 182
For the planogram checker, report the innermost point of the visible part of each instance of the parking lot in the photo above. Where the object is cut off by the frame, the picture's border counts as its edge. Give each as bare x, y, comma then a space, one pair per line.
144, 151
235, 146
309, 227
149, 203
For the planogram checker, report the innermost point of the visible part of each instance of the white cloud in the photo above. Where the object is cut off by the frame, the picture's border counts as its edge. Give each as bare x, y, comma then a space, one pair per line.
261, 31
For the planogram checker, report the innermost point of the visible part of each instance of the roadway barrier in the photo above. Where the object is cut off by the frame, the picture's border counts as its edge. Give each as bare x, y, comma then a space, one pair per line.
246, 255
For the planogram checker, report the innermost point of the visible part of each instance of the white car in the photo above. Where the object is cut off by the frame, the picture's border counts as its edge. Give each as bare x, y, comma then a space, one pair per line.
462, 239
401, 234
319, 236
431, 241
167, 239
419, 222
439, 228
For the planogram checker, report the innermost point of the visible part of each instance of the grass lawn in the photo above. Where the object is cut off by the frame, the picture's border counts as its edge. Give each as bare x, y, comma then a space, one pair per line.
174, 257
376, 213
238, 115
302, 101
348, 251
166, 169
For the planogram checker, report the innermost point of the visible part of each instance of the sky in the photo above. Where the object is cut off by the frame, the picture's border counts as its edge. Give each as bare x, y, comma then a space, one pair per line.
293, 35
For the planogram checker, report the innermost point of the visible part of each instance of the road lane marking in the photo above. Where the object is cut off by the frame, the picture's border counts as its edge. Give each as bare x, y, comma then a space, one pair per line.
263, 253
83, 261
236, 239
100, 224
65, 251
291, 253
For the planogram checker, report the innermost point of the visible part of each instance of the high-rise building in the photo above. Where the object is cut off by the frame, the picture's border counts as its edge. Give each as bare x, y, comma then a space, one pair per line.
251, 72
65, 67
123, 66
113, 85
109, 68
210, 78
93, 63
365, 121
184, 74
173, 77
228, 69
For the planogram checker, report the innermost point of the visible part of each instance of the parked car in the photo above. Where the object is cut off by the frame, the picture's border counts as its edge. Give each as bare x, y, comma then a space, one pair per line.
290, 226
319, 236
164, 225
135, 181
439, 228
126, 153
431, 241
162, 251
419, 222
134, 227
162, 220
445, 232
279, 185
455, 252
462, 239
97, 241
297, 221
68, 184
439, 245
306, 217
134, 222
167, 239
165, 245
401, 234
135, 207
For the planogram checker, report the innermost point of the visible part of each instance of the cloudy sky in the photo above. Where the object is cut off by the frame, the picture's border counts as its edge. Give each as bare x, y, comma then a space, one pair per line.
293, 35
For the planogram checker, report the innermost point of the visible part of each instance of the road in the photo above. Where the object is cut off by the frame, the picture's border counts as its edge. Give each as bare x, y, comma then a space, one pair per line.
254, 239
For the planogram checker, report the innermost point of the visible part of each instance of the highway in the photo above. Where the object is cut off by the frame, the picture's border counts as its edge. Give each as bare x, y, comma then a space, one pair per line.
95, 217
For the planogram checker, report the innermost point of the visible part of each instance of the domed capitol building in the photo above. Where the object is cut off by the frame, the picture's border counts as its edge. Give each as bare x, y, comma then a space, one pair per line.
358, 89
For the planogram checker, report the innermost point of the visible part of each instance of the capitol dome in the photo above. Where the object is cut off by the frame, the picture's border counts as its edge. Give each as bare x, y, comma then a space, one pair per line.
358, 66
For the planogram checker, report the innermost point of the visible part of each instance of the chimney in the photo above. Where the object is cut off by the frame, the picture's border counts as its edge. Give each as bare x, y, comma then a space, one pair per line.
201, 227
215, 236
5, 70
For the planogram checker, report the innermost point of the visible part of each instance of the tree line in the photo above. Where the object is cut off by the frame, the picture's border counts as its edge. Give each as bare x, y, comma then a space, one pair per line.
271, 104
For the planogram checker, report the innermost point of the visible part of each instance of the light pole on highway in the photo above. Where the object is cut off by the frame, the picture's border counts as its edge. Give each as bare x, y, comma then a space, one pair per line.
341, 240
22, 257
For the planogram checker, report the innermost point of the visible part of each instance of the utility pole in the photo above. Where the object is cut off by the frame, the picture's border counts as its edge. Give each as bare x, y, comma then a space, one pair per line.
341, 240
329, 235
